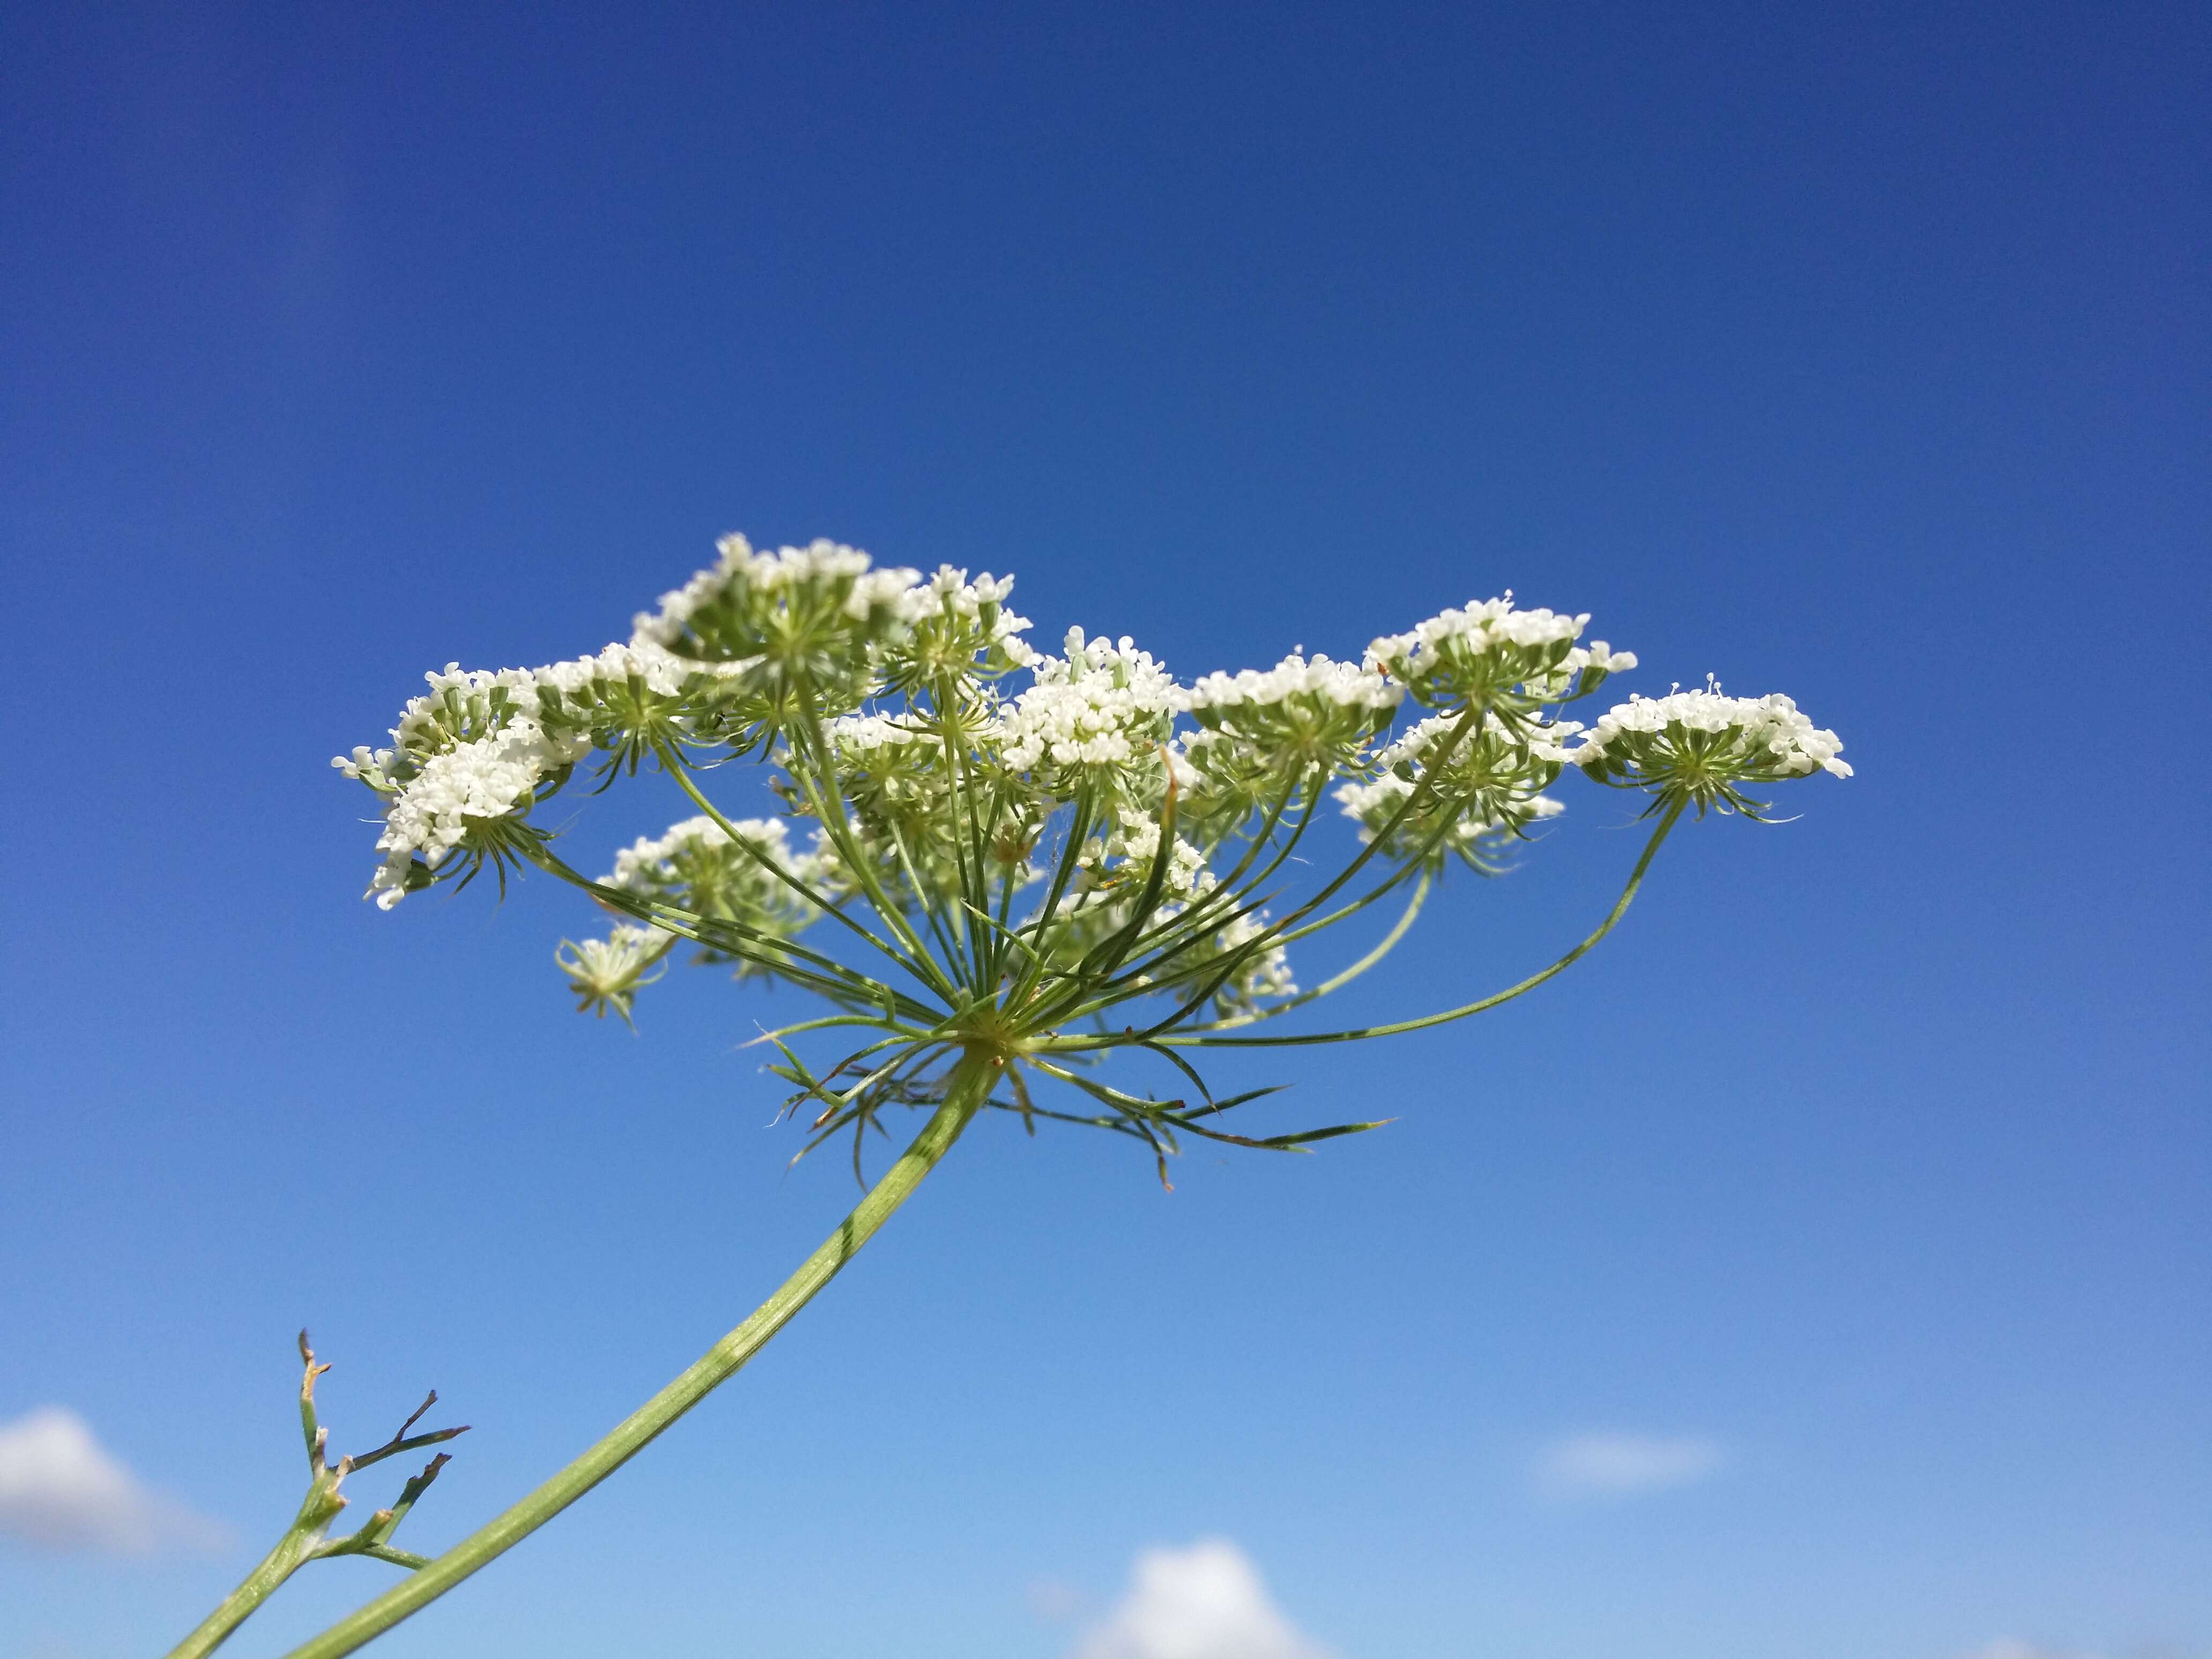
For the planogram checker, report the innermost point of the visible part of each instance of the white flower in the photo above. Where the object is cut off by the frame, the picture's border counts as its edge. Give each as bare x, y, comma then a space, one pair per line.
368, 766
764, 579
1581, 671
871, 735
696, 866
1699, 744
875, 701
461, 706
950, 592
1294, 679
1481, 626
1475, 799
608, 972
655, 863
1137, 844
957, 630
1416, 746
438, 811
1100, 706
804, 630
1264, 738
651, 665
1491, 652
1374, 805
1265, 975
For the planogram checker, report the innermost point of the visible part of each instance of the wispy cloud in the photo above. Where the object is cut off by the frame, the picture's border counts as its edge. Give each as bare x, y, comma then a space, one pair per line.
2011, 1647
60, 1488
1055, 1601
1204, 1602
1624, 1465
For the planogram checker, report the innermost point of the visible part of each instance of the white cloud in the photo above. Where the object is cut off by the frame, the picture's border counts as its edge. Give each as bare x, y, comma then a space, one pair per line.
60, 1488
1204, 1602
1624, 1465
2011, 1647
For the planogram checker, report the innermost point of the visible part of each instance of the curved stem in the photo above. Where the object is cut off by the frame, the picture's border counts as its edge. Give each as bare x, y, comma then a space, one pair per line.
1478, 716
837, 822
683, 777
974, 895
1200, 1040
925, 900
785, 956
1071, 855
969, 1086
1199, 922
1337, 981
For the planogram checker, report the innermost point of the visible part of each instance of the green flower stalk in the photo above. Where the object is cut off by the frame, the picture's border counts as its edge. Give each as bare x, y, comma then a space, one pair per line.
1007, 898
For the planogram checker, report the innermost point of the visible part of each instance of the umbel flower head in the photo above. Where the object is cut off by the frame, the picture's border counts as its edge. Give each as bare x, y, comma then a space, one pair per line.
1095, 858
606, 974
1697, 746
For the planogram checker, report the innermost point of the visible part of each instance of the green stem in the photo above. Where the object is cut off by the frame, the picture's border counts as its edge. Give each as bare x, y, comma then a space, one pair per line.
299, 1544
829, 810
744, 844
1337, 982
1200, 1039
969, 1086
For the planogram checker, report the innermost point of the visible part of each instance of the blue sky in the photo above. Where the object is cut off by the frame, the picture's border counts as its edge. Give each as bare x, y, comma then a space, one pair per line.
1821, 1270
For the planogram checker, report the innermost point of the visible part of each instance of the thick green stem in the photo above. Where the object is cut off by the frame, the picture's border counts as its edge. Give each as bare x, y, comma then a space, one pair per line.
969, 1086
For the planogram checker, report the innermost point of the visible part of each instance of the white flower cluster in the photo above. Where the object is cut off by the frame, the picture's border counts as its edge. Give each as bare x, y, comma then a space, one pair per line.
464, 705
475, 732
461, 703
861, 593
1261, 975
1136, 842
890, 766
818, 621
1703, 736
1263, 736
1478, 628
1101, 706
437, 811
952, 588
866, 738
981, 602
1265, 975
1294, 679
1475, 797
955, 629
1490, 649
1420, 743
696, 865
651, 665
655, 863
915, 810
608, 972
1581, 670
1374, 805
